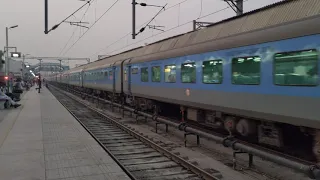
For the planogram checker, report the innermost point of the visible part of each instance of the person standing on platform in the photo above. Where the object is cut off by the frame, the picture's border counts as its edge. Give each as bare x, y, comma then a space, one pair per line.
39, 84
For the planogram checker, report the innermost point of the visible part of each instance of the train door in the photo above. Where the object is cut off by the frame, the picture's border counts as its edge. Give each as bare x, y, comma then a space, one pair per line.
113, 79
81, 78
129, 78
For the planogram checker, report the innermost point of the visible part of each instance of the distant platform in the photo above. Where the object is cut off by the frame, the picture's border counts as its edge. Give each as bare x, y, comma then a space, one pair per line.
41, 140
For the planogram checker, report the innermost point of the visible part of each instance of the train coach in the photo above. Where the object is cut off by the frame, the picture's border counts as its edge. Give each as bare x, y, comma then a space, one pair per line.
255, 75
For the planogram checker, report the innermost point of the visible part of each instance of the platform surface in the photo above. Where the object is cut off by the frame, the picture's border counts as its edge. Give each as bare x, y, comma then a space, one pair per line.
42, 141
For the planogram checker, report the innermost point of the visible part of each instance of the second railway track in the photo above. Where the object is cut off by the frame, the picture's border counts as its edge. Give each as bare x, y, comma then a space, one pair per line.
140, 157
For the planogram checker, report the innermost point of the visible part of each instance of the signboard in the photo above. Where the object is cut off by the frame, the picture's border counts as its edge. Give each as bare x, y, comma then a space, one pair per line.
16, 54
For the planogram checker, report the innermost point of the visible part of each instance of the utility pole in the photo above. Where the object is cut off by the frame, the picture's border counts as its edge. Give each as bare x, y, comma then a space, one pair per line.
239, 4
236, 5
133, 19
7, 57
22, 76
1, 60
60, 69
134, 3
46, 16
7, 60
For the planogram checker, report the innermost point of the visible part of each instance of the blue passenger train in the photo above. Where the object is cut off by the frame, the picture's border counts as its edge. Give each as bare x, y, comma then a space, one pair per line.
253, 75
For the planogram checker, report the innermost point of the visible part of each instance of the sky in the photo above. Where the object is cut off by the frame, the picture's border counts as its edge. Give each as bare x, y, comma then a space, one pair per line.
110, 30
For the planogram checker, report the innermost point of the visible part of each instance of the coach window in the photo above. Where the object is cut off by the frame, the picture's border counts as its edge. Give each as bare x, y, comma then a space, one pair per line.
170, 73
156, 74
212, 72
106, 74
144, 74
188, 72
246, 70
134, 71
299, 68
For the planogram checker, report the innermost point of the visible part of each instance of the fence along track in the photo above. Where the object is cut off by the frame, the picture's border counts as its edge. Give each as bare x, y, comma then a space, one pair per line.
139, 156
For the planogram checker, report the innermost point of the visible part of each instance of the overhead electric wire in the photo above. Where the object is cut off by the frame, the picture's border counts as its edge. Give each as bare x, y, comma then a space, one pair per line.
92, 25
172, 28
74, 31
140, 26
143, 28
57, 25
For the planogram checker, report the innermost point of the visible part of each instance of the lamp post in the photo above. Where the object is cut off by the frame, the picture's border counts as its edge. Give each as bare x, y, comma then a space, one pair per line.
7, 56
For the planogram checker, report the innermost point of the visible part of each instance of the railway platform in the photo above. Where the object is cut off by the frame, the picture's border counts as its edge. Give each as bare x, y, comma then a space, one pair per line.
42, 140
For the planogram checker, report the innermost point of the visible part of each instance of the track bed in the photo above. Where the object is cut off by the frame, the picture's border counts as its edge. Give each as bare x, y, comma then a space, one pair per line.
141, 160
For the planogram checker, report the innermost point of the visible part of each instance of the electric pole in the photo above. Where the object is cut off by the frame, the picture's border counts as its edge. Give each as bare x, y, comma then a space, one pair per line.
236, 5
22, 75
133, 19
60, 69
134, 3
46, 16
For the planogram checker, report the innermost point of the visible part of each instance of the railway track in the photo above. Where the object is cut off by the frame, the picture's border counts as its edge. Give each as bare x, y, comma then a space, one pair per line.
286, 160
137, 155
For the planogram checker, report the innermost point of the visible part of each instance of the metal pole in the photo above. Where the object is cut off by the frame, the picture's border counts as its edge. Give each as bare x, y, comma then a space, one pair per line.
60, 67
39, 77
7, 58
46, 16
194, 25
22, 76
239, 4
133, 19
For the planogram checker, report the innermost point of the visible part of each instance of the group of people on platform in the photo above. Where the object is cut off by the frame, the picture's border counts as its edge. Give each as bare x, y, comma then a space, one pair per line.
8, 96
11, 94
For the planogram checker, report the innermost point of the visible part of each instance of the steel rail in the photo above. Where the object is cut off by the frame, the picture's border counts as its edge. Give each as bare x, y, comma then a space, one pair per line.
99, 142
200, 172
312, 171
